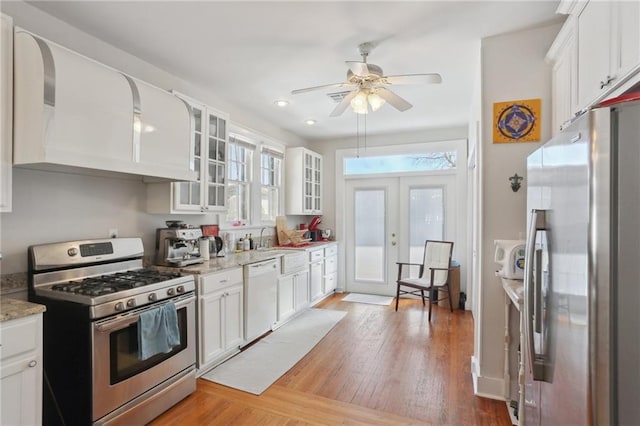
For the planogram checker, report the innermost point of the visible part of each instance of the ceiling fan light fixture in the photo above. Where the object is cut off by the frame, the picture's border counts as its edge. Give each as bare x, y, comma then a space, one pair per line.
359, 103
375, 101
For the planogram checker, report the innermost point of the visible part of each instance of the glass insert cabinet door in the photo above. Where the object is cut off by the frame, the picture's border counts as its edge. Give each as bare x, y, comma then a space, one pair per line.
209, 141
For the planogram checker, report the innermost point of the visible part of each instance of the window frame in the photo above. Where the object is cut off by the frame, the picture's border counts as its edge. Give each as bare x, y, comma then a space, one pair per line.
243, 179
257, 144
272, 186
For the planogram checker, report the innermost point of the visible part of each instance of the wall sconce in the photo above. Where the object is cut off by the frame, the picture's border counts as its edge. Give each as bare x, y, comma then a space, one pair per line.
515, 182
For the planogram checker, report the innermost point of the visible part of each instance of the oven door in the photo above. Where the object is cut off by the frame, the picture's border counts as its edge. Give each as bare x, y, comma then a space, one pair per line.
118, 374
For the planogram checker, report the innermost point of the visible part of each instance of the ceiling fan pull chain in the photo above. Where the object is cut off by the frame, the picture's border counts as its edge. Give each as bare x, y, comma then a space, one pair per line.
357, 135
365, 132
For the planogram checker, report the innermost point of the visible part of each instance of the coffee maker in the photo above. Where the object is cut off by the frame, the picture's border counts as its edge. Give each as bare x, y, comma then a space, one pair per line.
178, 246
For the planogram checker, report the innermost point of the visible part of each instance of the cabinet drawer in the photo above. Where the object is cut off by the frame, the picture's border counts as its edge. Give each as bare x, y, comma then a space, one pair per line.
331, 251
316, 255
213, 282
330, 265
294, 262
20, 335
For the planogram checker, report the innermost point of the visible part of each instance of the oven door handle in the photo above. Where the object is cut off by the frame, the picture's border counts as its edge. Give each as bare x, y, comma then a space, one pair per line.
116, 325
120, 323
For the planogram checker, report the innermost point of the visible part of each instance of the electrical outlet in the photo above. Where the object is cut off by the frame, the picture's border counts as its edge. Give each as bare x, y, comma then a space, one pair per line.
113, 233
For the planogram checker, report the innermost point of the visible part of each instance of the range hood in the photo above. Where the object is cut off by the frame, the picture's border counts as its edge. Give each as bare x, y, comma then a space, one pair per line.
70, 110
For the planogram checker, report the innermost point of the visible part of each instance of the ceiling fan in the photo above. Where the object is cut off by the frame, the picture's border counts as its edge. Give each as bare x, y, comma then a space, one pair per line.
369, 83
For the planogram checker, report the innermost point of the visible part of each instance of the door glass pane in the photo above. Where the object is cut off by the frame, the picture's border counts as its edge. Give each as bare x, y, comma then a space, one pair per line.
212, 172
197, 117
426, 220
195, 193
222, 124
221, 155
184, 192
212, 195
370, 231
213, 125
197, 142
212, 149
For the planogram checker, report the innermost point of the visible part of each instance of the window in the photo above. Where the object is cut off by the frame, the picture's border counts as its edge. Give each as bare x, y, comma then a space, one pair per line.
254, 176
270, 184
239, 184
400, 163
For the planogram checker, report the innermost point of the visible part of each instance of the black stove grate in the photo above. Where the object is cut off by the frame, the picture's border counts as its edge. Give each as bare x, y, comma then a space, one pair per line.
113, 283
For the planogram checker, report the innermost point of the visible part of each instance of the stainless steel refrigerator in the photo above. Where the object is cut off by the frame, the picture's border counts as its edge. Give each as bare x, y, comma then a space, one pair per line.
582, 286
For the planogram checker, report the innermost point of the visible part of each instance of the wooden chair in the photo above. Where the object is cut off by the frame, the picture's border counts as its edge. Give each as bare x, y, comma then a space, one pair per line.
434, 273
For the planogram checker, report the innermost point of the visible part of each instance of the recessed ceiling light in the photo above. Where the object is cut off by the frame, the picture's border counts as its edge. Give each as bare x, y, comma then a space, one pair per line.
281, 103
310, 122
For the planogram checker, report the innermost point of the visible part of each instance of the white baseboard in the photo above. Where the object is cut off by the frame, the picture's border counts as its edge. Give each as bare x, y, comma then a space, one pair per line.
487, 387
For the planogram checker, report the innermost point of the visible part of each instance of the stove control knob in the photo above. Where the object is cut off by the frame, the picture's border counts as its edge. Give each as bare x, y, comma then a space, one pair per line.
180, 289
119, 306
153, 297
131, 303
170, 292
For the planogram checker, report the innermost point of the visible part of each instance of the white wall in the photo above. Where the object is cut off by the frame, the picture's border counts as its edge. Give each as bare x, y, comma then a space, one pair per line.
51, 206
513, 68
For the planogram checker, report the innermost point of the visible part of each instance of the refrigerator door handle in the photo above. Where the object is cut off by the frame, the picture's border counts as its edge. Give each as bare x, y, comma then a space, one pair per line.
532, 305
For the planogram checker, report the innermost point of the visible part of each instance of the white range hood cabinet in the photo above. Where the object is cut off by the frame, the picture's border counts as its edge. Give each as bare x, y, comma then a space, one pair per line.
72, 111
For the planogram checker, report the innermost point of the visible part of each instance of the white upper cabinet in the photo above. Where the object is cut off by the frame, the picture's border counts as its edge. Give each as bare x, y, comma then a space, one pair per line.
563, 57
209, 136
6, 111
70, 110
303, 182
608, 47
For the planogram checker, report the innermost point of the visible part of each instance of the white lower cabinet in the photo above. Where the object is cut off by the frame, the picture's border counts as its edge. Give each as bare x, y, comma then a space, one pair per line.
301, 290
316, 273
293, 294
330, 269
21, 371
286, 297
220, 316
316, 277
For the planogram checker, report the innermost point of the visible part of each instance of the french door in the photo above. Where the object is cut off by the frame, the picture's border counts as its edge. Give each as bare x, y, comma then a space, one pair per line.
388, 220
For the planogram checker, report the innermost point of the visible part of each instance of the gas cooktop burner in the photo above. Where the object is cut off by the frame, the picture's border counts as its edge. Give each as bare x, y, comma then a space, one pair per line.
113, 283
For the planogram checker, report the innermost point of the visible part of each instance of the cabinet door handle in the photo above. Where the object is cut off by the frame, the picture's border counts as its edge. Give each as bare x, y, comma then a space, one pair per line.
33, 363
608, 79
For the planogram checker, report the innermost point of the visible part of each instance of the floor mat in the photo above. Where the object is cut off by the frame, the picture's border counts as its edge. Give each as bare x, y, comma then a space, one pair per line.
372, 299
258, 367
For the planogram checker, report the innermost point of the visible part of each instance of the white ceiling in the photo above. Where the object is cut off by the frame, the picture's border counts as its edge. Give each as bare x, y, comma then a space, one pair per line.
252, 53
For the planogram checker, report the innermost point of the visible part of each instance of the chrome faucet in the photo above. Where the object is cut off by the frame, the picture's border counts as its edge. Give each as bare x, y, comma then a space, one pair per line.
260, 245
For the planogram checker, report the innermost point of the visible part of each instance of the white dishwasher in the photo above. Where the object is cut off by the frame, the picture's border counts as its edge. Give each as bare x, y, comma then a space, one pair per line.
260, 298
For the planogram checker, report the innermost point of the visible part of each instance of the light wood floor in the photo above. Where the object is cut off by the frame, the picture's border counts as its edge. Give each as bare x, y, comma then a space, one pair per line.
375, 367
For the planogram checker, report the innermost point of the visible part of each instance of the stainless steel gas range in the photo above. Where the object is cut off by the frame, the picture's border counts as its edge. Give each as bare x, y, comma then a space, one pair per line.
96, 292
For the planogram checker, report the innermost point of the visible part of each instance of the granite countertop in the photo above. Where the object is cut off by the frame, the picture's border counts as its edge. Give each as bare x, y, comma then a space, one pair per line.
13, 309
234, 260
239, 259
515, 291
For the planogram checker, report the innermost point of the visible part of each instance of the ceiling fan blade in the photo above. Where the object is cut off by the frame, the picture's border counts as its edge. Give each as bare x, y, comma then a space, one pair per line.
324, 86
433, 78
343, 104
358, 68
394, 100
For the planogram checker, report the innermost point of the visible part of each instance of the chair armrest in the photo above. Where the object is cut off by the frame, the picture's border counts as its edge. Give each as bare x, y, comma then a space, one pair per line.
401, 264
442, 269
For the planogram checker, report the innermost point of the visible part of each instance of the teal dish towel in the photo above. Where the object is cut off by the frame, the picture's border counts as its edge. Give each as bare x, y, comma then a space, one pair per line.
158, 331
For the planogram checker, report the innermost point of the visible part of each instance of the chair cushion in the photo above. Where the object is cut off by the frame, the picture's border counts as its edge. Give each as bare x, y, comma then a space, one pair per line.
415, 282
